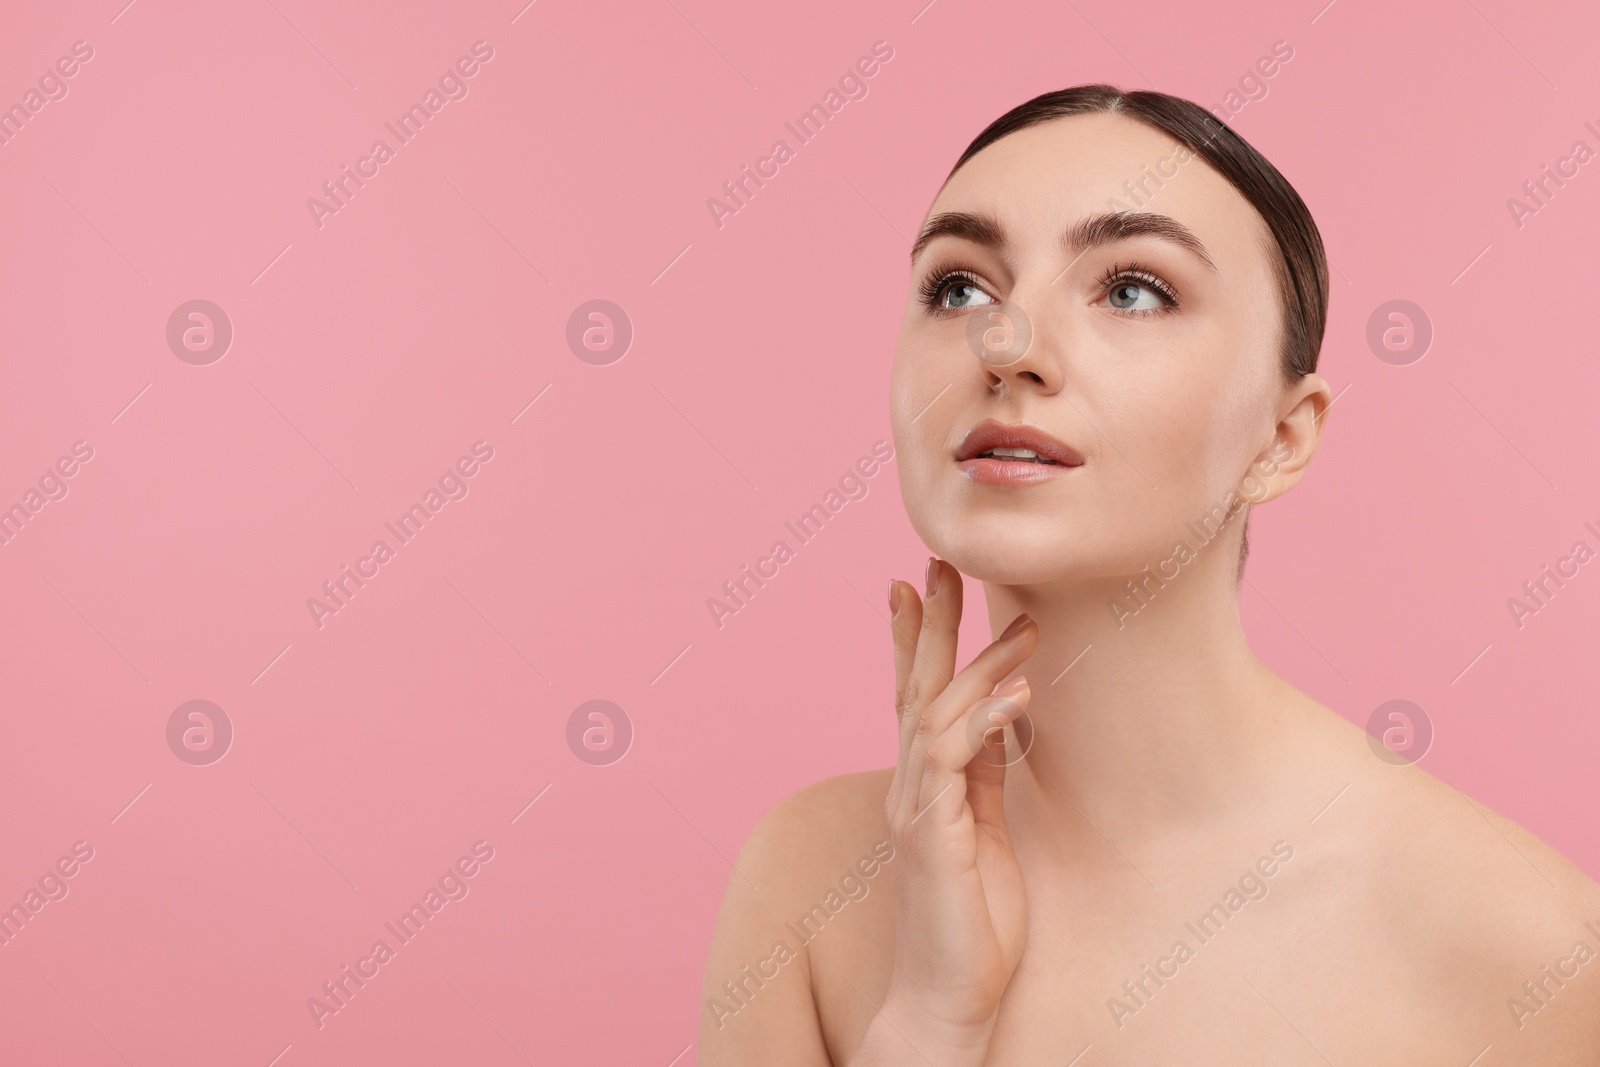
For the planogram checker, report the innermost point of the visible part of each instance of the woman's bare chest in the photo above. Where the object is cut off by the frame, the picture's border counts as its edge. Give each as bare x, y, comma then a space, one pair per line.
1255, 968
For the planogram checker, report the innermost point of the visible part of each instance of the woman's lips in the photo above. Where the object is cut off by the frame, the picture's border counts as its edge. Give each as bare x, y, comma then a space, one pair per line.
1014, 472
989, 453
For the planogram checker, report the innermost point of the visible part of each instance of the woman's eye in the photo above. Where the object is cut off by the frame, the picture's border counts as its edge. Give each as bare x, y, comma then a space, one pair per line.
961, 294
1134, 296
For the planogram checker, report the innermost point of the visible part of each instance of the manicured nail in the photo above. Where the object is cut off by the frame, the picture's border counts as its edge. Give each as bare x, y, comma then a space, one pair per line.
894, 599
1011, 689
1015, 628
933, 575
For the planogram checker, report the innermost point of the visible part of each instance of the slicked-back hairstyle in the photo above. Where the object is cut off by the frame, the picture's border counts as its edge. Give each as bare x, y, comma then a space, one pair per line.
1299, 263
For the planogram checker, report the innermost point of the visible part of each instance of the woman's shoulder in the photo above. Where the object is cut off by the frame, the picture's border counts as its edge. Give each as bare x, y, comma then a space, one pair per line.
842, 796
1475, 905
808, 859
811, 827
1418, 831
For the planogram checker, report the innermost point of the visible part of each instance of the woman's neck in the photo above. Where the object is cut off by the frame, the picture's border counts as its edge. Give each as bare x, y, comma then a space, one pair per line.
1149, 715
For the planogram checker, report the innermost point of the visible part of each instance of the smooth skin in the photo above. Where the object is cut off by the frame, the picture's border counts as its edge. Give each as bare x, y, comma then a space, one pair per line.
1032, 913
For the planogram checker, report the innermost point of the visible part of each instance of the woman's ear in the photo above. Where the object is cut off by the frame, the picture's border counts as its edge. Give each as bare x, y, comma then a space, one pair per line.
1283, 461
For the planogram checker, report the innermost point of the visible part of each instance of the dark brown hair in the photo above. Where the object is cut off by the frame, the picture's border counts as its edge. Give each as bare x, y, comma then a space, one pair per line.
1298, 260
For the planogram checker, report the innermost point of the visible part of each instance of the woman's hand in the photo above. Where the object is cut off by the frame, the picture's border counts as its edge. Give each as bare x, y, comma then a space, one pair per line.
961, 912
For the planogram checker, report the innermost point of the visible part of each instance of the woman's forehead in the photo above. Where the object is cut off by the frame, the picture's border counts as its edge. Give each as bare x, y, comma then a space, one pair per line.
1046, 178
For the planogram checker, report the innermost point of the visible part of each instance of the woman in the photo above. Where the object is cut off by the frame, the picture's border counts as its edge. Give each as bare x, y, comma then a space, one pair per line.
1108, 357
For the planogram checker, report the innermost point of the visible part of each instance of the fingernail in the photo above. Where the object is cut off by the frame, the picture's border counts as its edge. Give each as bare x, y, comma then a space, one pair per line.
1012, 688
1015, 627
932, 575
894, 600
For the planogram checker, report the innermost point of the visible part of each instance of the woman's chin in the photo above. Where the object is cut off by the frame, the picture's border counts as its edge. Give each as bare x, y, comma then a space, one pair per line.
1006, 563
1014, 555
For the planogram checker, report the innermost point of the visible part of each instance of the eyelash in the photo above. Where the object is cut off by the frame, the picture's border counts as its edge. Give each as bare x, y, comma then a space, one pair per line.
932, 288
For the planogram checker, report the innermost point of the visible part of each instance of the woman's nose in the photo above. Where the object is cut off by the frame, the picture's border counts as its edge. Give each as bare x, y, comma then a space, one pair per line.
1006, 342
1000, 334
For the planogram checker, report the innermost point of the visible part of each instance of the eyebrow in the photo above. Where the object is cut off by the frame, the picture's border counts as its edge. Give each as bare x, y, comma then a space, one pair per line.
1083, 235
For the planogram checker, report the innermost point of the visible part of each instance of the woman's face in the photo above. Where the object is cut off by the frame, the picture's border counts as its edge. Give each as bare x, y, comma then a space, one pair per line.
1160, 371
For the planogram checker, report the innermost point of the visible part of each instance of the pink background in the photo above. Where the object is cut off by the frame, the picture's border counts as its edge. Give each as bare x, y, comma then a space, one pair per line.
370, 353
